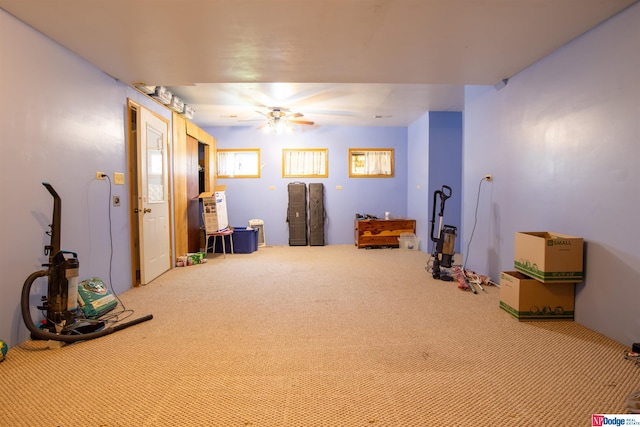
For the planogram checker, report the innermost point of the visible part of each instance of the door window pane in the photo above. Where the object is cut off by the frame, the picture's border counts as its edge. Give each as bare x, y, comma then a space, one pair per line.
155, 166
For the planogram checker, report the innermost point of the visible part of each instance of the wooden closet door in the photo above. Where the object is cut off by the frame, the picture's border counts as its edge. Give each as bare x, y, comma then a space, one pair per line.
193, 191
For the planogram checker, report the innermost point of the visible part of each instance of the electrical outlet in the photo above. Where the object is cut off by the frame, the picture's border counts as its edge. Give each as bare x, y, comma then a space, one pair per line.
99, 175
116, 200
488, 177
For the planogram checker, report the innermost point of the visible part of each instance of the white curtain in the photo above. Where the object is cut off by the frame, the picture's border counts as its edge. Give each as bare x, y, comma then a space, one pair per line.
305, 163
235, 163
377, 162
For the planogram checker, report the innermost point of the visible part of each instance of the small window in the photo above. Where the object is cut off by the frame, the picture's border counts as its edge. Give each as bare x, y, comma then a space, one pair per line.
240, 163
371, 163
305, 162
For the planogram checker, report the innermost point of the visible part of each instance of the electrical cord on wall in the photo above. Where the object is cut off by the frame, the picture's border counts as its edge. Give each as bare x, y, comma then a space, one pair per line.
116, 315
475, 222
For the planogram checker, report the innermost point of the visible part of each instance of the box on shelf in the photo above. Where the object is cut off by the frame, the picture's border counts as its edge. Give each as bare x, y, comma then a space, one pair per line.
409, 241
549, 257
245, 241
162, 94
528, 299
214, 206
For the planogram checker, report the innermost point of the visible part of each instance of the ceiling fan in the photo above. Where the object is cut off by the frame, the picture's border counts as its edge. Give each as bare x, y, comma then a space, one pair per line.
279, 118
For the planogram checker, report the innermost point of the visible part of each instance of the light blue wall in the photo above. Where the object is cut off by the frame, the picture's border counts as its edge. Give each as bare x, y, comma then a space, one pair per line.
249, 198
62, 120
418, 179
562, 140
435, 153
445, 167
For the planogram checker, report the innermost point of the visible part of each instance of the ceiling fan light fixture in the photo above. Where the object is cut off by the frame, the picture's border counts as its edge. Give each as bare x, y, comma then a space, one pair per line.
277, 125
280, 120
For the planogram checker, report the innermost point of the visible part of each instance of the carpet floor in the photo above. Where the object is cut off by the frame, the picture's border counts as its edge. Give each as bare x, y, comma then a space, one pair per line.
318, 336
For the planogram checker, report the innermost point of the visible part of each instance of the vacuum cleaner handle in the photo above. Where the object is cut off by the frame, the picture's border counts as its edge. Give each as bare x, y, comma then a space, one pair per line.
53, 248
444, 194
446, 189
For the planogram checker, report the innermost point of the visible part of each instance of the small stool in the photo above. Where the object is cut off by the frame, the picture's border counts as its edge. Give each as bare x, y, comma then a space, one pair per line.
222, 234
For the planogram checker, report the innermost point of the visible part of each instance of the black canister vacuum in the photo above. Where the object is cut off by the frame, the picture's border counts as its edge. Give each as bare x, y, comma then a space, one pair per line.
63, 321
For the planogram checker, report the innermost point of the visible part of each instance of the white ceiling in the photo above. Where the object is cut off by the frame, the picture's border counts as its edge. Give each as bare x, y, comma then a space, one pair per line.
339, 62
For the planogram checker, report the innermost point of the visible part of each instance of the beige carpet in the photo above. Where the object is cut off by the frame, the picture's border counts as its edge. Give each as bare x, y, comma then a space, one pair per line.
318, 336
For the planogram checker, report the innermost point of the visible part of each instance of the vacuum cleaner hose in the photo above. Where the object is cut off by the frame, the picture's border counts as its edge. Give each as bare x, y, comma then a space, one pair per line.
46, 335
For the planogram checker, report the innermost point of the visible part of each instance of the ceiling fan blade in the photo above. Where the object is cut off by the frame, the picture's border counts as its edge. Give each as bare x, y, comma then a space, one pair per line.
333, 113
294, 115
251, 101
315, 95
301, 122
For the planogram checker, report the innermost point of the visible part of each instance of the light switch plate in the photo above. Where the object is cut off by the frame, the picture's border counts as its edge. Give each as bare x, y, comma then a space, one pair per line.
118, 178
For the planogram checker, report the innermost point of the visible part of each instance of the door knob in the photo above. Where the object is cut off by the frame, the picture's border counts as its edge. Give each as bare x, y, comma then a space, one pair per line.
146, 210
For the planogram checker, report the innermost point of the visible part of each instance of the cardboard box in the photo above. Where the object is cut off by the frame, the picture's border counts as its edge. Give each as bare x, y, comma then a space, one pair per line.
549, 257
528, 299
215, 209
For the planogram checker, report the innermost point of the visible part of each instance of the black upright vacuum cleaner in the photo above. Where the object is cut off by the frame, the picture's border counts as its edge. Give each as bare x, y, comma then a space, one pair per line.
445, 239
62, 321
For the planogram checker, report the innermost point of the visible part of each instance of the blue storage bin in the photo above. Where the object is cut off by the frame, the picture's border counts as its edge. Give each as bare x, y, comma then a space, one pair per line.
244, 241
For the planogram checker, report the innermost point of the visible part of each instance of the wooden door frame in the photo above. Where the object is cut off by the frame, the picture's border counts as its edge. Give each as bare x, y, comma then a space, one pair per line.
181, 128
133, 188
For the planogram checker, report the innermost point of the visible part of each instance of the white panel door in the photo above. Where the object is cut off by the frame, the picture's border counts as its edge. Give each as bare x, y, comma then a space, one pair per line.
153, 197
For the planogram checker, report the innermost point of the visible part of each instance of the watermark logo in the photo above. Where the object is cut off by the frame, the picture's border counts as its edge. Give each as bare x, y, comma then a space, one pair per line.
599, 420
